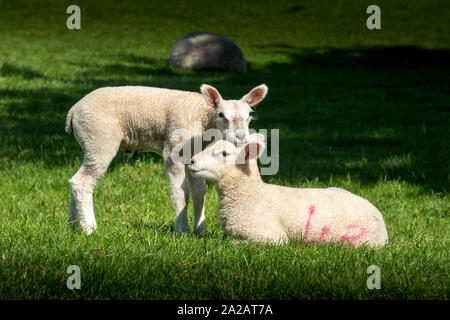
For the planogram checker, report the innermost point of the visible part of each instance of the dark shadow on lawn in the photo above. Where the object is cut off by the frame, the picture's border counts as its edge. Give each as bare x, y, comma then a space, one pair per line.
366, 112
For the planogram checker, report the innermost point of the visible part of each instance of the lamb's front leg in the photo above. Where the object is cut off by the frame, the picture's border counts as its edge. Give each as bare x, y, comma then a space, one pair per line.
198, 191
179, 191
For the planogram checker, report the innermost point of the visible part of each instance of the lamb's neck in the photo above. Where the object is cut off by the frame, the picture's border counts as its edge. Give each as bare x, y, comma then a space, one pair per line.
240, 186
207, 116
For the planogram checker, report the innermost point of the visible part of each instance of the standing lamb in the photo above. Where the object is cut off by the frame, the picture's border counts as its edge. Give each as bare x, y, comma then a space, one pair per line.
253, 210
145, 118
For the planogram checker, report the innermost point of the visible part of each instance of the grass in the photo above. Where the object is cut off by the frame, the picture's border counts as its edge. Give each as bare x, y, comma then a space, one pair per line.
364, 110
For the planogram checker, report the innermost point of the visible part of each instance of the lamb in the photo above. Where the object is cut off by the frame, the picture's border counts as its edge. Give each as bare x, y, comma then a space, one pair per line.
144, 118
258, 212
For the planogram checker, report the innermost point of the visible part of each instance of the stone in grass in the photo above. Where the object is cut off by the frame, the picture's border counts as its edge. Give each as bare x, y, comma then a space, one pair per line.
206, 50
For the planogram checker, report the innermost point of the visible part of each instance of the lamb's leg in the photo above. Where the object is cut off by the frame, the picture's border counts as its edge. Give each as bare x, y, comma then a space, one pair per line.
180, 194
198, 191
82, 186
81, 204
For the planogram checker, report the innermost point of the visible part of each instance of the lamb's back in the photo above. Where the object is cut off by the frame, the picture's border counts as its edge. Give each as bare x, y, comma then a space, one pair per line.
328, 214
139, 113
132, 101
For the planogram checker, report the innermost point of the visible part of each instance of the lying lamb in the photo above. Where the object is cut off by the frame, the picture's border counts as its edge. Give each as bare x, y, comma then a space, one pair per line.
145, 118
253, 210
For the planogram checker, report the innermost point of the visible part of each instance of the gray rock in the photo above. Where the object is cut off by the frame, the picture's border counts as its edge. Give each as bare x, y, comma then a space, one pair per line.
206, 50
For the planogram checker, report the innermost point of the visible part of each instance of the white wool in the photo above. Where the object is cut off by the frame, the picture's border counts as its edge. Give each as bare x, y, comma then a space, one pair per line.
253, 210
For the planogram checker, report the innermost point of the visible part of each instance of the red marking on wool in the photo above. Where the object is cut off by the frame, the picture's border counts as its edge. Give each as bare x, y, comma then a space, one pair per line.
312, 209
325, 231
360, 235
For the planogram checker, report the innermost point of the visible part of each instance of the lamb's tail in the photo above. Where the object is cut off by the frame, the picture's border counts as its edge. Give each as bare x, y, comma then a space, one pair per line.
69, 122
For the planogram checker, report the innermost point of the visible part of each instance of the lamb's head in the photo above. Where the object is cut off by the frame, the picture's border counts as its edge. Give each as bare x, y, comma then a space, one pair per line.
234, 116
223, 157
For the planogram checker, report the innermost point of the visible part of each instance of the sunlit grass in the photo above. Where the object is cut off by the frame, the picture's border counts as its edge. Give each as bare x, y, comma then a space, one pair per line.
364, 111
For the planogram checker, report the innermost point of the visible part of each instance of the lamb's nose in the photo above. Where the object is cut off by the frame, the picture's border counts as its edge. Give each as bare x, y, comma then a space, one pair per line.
192, 161
240, 134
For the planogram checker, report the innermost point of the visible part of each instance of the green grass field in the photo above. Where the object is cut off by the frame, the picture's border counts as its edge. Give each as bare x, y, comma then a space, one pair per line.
364, 110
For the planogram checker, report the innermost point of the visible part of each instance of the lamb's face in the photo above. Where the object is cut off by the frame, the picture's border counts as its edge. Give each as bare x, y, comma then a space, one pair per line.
216, 160
233, 116
211, 163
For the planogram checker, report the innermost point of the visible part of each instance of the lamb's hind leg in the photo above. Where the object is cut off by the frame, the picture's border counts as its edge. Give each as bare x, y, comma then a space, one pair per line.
81, 204
82, 186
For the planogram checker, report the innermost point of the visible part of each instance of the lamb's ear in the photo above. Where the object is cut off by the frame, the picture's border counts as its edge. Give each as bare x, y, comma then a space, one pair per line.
254, 148
212, 96
256, 95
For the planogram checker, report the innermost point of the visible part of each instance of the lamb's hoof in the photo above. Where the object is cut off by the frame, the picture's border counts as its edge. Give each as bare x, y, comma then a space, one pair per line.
90, 230
201, 231
180, 233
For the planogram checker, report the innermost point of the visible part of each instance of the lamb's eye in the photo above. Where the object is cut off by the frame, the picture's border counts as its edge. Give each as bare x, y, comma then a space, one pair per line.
221, 114
224, 153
